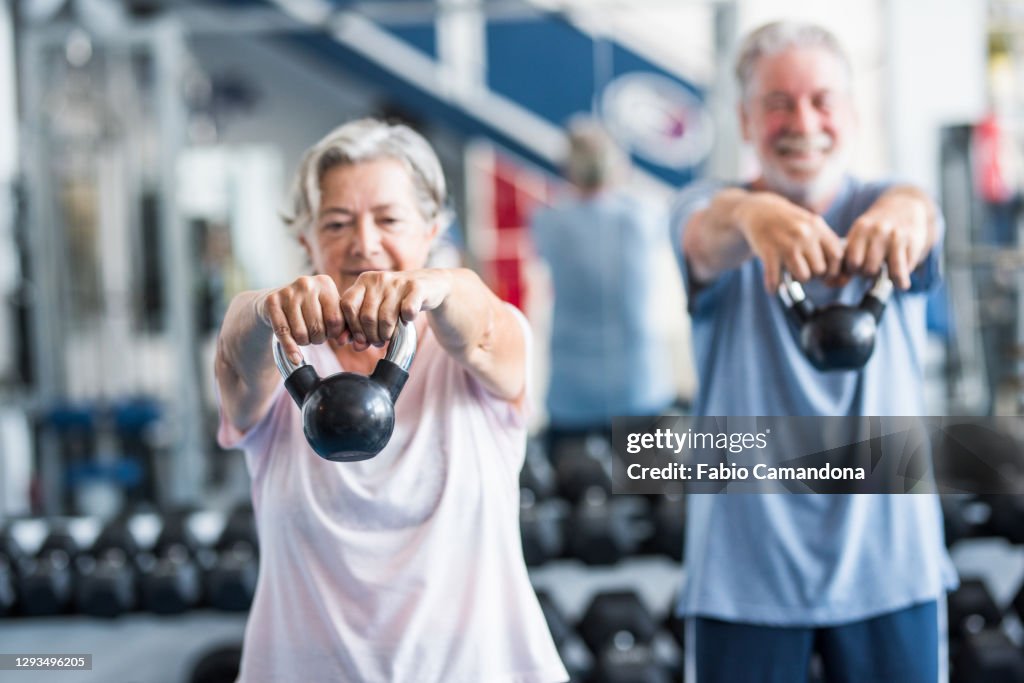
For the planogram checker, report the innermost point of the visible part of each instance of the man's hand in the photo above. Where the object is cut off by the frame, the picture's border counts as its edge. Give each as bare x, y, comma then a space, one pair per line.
898, 230
784, 235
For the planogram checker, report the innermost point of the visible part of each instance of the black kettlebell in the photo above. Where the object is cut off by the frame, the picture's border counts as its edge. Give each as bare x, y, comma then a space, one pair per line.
837, 336
348, 417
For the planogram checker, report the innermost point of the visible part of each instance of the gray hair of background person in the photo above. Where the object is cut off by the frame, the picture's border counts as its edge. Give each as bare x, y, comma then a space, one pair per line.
594, 159
779, 36
368, 140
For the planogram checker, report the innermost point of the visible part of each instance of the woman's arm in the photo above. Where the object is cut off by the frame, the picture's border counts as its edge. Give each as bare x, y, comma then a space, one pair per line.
470, 322
304, 312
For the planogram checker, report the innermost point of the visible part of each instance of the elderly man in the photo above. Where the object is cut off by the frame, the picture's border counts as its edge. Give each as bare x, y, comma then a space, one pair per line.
772, 578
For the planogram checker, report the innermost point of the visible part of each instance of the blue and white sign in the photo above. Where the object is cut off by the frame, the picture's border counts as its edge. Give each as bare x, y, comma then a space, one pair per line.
657, 119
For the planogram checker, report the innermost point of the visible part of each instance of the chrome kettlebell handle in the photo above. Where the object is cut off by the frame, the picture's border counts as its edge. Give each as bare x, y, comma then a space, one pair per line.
401, 351
793, 294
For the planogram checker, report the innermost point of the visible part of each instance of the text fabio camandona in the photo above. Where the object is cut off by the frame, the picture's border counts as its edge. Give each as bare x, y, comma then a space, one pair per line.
665, 440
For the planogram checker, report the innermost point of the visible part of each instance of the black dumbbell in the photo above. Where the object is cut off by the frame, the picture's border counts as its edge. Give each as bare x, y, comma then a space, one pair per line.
574, 657
602, 531
558, 625
675, 625
972, 609
46, 580
1018, 604
106, 573
171, 578
965, 516
616, 614
10, 555
540, 525
619, 630
218, 665
231, 581
669, 526
582, 465
635, 664
537, 475
988, 656
1007, 517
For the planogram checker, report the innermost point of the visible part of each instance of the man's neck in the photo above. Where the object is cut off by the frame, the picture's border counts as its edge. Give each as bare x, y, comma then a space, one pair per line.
818, 203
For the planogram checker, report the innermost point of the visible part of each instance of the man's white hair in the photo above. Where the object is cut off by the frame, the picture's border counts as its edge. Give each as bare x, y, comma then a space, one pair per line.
779, 36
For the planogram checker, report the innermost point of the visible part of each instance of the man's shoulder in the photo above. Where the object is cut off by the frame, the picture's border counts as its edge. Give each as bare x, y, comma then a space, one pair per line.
858, 189
696, 196
703, 188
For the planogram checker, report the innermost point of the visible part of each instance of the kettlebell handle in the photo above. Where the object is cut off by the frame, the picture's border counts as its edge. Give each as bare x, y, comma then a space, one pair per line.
793, 295
401, 351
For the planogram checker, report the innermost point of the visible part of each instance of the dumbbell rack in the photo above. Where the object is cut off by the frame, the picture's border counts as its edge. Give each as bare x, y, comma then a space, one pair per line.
985, 614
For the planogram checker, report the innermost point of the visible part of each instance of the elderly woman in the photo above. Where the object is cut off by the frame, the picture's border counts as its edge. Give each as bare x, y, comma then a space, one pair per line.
407, 566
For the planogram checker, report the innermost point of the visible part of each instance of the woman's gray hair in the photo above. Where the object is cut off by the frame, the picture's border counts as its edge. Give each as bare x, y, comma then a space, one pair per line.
594, 159
368, 140
779, 36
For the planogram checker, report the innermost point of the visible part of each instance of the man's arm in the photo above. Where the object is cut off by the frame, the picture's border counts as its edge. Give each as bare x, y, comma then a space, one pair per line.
899, 229
739, 224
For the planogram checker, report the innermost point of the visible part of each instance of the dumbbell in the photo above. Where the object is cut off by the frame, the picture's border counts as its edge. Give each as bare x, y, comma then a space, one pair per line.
46, 580
540, 526
171, 579
231, 581
581, 465
669, 526
10, 554
602, 531
1018, 604
988, 656
675, 625
536, 475
965, 516
218, 665
562, 636
106, 573
1007, 517
972, 609
558, 625
636, 664
619, 630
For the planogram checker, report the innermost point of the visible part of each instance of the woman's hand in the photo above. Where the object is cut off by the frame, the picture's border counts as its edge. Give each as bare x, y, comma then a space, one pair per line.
305, 312
378, 300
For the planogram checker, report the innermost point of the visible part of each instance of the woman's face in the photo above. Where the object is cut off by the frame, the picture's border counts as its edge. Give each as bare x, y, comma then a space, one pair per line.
368, 219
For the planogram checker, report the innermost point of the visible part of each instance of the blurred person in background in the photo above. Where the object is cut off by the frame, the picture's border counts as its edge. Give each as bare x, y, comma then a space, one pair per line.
608, 356
407, 566
771, 578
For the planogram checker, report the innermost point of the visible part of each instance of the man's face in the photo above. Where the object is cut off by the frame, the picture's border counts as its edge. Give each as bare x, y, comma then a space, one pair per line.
798, 114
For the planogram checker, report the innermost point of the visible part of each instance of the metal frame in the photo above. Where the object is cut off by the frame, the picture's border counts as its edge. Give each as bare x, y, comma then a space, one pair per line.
164, 38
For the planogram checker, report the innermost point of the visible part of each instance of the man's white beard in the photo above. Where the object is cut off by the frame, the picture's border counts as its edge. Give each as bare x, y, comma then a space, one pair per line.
808, 193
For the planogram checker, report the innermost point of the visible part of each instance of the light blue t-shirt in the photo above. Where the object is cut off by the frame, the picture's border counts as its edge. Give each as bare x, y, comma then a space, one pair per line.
608, 357
807, 559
